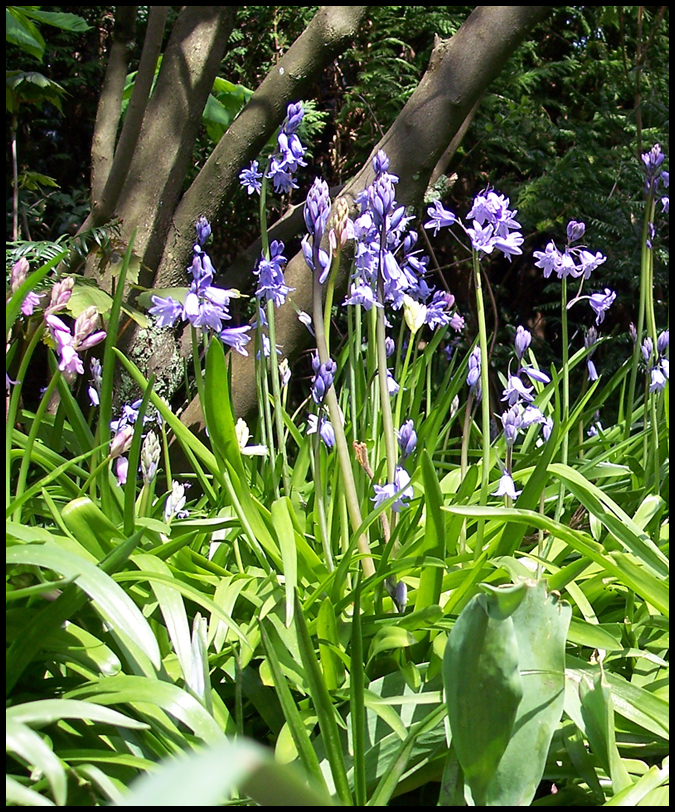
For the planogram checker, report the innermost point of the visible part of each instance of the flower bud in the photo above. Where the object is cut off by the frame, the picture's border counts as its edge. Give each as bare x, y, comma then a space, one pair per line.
121, 442
150, 457
575, 231
414, 312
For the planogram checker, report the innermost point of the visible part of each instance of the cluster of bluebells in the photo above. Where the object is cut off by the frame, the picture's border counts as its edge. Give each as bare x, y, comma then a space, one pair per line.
576, 262
287, 157
321, 383
69, 341
656, 176
493, 227
205, 306
659, 366
521, 413
386, 249
388, 271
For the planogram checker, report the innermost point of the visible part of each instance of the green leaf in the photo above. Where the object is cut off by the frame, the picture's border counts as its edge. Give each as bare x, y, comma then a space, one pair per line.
540, 624
111, 601
323, 707
206, 777
483, 689
283, 524
431, 579
291, 713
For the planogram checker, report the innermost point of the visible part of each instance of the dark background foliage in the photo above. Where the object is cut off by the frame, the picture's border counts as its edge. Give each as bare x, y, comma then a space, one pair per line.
559, 132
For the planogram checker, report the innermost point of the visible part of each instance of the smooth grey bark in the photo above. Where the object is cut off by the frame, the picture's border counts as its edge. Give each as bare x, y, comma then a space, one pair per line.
149, 198
460, 69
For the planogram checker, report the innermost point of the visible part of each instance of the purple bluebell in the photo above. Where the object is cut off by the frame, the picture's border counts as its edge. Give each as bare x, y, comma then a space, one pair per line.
289, 153
652, 161
317, 209
205, 306
401, 483
575, 231
203, 228
547, 260
325, 429
440, 217
522, 341
308, 252
517, 391
662, 342
407, 438
512, 421
271, 283
236, 337
439, 311
494, 225
647, 349
323, 377
167, 311
473, 376
601, 302
362, 294
250, 178
658, 379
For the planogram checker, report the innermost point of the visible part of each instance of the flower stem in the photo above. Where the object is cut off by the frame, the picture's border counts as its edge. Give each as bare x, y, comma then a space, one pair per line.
349, 485
566, 394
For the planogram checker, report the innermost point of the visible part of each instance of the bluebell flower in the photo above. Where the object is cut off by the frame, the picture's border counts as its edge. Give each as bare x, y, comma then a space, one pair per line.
323, 377
652, 161
205, 306
601, 302
658, 379
317, 209
236, 337
271, 284
473, 376
407, 438
548, 259
575, 231
507, 487
250, 178
494, 225
512, 421
362, 294
400, 484
589, 262
439, 310
590, 340
662, 342
324, 427
392, 385
522, 341
203, 228
440, 217
289, 153
516, 390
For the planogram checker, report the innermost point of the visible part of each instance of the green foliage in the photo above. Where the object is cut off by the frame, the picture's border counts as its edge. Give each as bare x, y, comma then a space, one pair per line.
532, 653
